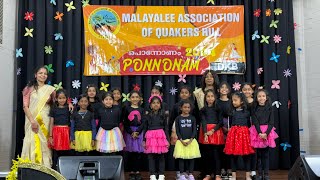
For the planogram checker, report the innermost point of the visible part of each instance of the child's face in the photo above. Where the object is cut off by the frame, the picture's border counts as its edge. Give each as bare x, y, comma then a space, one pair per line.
209, 80
262, 98
155, 105
135, 99
247, 91
108, 101
116, 95
155, 92
184, 94
224, 90
62, 99
236, 101
92, 92
185, 108
83, 103
210, 98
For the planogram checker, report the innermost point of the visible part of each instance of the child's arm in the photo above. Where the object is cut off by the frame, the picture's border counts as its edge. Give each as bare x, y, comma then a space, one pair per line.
145, 126
72, 129
203, 120
126, 122
220, 120
93, 127
177, 128
194, 128
271, 121
143, 116
256, 122
50, 130
166, 129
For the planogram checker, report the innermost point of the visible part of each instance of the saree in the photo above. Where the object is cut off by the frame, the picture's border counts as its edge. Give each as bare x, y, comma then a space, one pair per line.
35, 145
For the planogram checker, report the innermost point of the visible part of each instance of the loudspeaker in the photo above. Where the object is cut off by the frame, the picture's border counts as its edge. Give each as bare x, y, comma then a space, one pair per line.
32, 171
305, 167
91, 167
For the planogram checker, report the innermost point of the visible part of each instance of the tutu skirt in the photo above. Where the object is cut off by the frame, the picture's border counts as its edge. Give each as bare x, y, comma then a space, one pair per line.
186, 152
133, 145
217, 138
257, 142
109, 141
156, 142
83, 141
238, 141
61, 138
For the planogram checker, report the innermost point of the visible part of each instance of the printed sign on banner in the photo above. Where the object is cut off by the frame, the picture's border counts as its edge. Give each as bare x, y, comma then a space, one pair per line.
163, 40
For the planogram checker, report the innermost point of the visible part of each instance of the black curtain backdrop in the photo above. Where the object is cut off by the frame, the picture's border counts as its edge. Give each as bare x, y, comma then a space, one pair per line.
71, 47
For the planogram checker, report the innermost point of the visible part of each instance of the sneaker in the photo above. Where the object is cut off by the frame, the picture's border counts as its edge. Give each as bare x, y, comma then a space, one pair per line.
161, 177
182, 177
191, 177
177, 174
224, 173
153, 177
229, 173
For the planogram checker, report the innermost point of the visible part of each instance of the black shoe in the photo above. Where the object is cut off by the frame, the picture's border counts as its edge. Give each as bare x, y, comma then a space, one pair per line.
224, 173
259, 178
266, 177
138, 177
132, 176
254, 177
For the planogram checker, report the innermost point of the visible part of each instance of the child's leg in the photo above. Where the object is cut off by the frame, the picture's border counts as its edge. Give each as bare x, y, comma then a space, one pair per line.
55, 159
152, 164
181, 165
253, 164
190, 165
259, 161
246, 160
216, 157
207, 158
161, 164
233, 162
265, 161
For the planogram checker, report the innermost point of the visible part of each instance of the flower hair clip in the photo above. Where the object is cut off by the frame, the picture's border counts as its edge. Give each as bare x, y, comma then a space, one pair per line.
155, 96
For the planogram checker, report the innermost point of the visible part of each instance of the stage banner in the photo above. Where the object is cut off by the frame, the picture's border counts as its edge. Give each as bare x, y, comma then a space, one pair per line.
163, 40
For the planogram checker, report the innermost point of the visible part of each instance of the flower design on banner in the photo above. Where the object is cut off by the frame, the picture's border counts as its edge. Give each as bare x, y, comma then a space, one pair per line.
53, 2
70, 6
268, 12
48, 49
104, 86
278, 11
58, 36
277, 38
158, 83
275, 84
136, 87
125, 97
210, 1
85, 3
265, 39
288, 49
76, 84
69, 63
274, 24
277, 104
257, 12
19, 53
58, 86
18, 71
182, 78
74, 101
173, 91
49, 68
236, 86
287, 73
255, 35
275, 57
259, 70
28, 16
28, 32
285, 146
58, 16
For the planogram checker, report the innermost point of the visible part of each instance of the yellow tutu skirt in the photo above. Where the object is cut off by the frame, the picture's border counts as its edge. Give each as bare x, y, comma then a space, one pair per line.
83, 141
186, 152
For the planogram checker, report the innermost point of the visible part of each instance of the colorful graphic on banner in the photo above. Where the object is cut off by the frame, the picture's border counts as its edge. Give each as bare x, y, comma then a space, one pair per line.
163, 40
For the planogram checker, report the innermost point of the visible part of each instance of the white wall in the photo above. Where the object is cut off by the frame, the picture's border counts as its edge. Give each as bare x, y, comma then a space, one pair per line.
307, 16
7, 79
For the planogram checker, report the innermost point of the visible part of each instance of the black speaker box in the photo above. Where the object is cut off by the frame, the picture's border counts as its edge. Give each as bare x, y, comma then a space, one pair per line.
305, 168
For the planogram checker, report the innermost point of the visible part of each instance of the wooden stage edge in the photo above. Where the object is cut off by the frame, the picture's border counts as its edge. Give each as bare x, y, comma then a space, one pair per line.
170, 175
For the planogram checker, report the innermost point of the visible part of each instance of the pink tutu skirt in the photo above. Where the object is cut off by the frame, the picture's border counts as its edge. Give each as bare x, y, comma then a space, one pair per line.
156, 142
257, 142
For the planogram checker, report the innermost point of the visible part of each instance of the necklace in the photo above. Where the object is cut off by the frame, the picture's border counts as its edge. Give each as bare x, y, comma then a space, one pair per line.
82, 116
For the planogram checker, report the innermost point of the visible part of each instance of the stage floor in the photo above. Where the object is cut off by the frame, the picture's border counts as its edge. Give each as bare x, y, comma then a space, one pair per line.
274, 175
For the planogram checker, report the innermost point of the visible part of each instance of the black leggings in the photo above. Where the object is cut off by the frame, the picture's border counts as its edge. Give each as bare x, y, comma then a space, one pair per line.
189, 164
263, 160
246, 161
152, 163
211, 159
134, 161
253, 162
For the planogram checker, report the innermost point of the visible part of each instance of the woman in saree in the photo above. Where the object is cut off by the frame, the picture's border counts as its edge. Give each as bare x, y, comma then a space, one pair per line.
37, 97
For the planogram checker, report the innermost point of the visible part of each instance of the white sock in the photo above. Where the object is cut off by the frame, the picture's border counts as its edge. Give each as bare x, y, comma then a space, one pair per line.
253, 173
